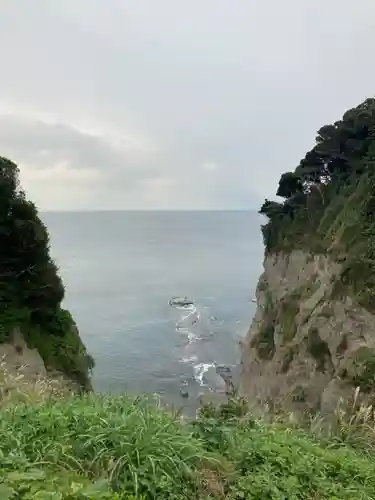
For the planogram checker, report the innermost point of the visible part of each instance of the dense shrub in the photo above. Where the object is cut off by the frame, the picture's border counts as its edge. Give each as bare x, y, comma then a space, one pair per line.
31, 290
329, 201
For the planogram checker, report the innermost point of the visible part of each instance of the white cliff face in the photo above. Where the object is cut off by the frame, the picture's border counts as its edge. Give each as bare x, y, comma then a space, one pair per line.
307, 345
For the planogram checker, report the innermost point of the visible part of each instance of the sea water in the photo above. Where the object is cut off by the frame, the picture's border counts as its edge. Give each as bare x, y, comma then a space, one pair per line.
121, 270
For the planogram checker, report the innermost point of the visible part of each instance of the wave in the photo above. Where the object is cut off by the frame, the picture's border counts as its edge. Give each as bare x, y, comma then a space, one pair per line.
189, 359
192, 337
198, 327
199, 371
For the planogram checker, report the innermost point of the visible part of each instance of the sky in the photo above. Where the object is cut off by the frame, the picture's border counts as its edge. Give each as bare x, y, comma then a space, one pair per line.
171, 104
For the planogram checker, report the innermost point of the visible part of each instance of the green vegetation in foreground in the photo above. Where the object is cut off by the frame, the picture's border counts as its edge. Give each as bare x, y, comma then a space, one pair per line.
31, 290
329, 203
102, 447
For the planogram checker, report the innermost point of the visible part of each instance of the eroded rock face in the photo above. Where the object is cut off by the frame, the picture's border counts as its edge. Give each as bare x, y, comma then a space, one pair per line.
18, 360
17, 357
307, 345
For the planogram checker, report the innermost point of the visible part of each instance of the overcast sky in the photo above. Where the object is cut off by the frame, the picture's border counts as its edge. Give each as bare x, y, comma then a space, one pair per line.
165, 104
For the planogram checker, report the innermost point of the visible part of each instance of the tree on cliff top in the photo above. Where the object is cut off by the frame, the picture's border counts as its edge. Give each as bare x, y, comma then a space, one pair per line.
28, 276
336, 159
329, 203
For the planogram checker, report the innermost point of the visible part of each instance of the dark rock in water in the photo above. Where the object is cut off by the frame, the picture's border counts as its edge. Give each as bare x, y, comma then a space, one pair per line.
180, 302
224, 371
213, 380
184, 393
223, 368
229, 388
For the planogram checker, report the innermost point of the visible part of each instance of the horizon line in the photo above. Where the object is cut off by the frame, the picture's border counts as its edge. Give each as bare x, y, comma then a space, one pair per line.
148, 210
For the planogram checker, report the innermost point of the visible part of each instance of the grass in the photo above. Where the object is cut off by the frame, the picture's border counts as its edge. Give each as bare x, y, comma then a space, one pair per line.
120, 446
16, 389
92, 447
282, 460
104, 447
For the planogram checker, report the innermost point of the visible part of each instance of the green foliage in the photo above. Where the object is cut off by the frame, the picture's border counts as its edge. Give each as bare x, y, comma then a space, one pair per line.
329, 202
62, 350
121, 448
233, 409
43, 484
290, 184
289, 310
117, 445
31, 290
275, 461
264, 341
362, 371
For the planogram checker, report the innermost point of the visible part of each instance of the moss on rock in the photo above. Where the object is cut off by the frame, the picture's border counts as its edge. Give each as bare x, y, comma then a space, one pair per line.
361, 370
289, 309
319, 350
264, 341
288, 358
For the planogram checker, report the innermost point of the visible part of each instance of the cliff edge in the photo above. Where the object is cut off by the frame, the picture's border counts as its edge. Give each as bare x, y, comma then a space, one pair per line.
312, 340
37, 336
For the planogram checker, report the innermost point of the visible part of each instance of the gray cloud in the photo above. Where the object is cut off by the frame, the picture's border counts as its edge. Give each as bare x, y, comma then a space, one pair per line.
123, 104
46, 143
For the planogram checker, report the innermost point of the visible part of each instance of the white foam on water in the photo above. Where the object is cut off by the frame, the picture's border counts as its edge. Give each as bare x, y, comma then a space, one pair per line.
193, 314
192, 309
192, 337
189, 359
199, 371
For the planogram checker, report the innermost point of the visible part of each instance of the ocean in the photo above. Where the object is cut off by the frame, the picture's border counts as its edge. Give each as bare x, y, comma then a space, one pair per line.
121, 269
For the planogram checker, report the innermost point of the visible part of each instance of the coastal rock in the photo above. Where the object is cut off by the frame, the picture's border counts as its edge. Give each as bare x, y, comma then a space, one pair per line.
181, 302
307, 346
213, 380
184, 392
223, 370
225, 373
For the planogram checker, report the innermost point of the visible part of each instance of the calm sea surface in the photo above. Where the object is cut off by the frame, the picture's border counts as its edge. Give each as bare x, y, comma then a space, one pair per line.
122, 268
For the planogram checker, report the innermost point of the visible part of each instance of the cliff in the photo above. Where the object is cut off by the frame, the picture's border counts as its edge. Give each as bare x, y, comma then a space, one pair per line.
306, 347
314, 318
312, 339
36, 333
